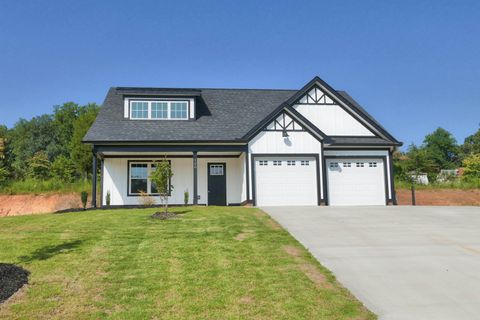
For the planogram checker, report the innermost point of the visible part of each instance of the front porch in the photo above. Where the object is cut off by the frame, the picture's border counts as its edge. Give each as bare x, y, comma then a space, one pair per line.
211, 174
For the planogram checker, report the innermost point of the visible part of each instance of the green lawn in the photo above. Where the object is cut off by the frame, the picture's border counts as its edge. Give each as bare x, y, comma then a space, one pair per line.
211, 263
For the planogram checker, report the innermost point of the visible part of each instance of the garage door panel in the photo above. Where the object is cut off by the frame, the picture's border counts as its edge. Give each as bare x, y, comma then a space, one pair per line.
358, 181
285, 184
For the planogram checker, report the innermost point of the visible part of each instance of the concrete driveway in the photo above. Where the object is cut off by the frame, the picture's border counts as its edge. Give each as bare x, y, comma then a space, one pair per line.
401, 262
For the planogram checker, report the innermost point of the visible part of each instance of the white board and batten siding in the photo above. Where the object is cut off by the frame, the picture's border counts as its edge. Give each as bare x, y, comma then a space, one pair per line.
115, 180
328, 116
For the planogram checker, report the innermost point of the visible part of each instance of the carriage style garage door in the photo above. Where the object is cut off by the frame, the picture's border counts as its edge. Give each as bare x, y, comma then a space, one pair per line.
285, 181
356, 181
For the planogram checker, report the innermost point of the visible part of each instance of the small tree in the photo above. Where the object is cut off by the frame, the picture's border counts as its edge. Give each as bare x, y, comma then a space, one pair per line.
161, 177
39, 166
186, 195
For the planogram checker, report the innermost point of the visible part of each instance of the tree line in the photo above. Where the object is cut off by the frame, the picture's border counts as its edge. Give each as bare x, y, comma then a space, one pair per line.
438, 151
48, 146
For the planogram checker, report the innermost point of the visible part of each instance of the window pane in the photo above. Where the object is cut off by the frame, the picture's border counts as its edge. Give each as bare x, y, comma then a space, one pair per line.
178, 110
139, 185
138, 171
139, 110
159, 110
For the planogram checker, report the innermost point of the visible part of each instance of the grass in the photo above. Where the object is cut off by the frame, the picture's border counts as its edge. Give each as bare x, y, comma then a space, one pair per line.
454, 184
211, 263
45, 186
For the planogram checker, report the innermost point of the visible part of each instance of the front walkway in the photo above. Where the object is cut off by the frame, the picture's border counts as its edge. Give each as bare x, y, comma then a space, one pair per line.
401, 262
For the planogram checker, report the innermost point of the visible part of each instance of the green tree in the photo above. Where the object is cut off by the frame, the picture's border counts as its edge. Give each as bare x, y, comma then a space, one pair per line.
161, 177
471, 167
415, 161
64, 118
27, 138
39, 166
442, 149
81, 153
63, 169
471, 144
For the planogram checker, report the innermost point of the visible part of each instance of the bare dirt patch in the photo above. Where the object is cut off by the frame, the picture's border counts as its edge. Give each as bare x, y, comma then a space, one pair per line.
14, 205
244, 235
245, 300
293, 251
314, 274
440, 197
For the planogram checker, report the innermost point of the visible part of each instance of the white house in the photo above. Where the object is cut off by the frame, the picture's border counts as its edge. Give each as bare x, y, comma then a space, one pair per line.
313, 146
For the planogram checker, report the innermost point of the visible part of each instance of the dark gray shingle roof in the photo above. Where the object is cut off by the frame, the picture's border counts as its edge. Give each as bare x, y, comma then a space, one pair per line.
222, 115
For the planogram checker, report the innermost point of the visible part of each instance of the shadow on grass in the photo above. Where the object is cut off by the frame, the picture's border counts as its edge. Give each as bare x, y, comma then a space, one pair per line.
48, 252
182, 211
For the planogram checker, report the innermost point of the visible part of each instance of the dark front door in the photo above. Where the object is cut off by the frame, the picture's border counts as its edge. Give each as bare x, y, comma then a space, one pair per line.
217, 184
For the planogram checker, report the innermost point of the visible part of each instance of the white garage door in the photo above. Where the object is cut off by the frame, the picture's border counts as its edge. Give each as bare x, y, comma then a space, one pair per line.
285, 181
356, 181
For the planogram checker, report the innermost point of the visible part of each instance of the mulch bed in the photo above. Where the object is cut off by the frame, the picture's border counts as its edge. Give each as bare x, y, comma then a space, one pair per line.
164, 216
12, 278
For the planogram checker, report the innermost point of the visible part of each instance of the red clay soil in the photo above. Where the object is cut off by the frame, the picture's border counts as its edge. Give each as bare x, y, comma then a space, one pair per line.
440, 197
15, 205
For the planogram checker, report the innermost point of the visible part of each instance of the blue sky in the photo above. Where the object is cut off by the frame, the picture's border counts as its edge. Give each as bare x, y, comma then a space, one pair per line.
414, 65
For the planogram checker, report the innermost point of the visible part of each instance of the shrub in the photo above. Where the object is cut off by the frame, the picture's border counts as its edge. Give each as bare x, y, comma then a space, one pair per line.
146, 200
186, 195
107, 198
63, 169
84, 197
471, 167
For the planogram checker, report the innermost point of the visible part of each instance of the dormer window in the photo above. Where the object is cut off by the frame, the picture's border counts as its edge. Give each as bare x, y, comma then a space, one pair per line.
159, 110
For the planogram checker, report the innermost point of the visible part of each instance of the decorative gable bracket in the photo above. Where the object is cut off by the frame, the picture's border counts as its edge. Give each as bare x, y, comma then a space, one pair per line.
284, 123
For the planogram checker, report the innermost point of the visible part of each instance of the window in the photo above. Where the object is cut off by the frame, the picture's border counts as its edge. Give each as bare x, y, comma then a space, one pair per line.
139, 180
347, 164
372, 164
263, 162
290, 163
216, 169
159, 110
333, 164
359, 164
305, 162
140, 110
277, 162
178, 110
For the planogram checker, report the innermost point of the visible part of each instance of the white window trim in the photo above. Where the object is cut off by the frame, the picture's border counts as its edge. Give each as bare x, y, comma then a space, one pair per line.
149, 109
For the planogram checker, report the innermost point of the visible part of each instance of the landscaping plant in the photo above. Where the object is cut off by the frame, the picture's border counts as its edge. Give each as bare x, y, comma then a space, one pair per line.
84, 197
186, 195
107, 198
161, 177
